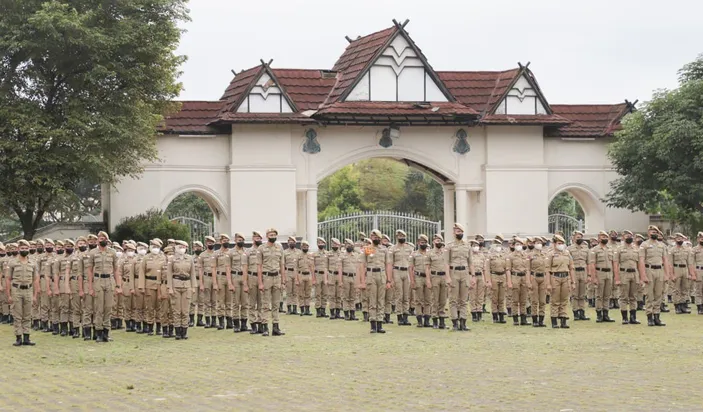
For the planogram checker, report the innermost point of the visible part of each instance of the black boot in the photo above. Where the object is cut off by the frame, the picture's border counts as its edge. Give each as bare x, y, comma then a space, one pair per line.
599, 316
426, 321
243, 325
515, 321
541, 321
18, 340
441, 323
64, 329
373, 326
347, 315
352, 315
158, 328
523, 320
318, 313
640, 305
86, 332
633, 317
548, 298
165, 331
387, 319
495, 317
668, 299
45, 327
207, 325
563, 323
191, 320
220, 322
399, 318
178, 333
501, 318
657, 320
265, 329
280, 308
535, 322
229, 322
290, 310
606, 317
583, 315
577, 315
412, 311
170, 331
554, 323
483, 309
184, 333
323, 312
95, 334
419, 321
55, 328
379, 327
700, 309
623, 313
254, 328
528, 312
98, 336
119, 323
200, 322
141, 328
235, 325
455, 325
650, 320
307, 311
685, 309
277, 331
366, 316
435, 323
295, 310
150, 329
462, 325
106, 335
677, 308
510, 311
26, 341
664, 308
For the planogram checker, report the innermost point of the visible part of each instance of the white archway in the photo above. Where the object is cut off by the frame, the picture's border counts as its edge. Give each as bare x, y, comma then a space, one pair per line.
593, 208
217, 206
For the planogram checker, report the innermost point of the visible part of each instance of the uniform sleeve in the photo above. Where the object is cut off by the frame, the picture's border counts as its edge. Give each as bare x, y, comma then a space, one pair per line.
89, 261
509, 263
259, 256
282, 260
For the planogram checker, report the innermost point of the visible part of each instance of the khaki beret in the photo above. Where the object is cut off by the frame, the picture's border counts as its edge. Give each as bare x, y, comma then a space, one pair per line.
304, 243
115, 244
2, 244
271, 230
639, 236
700, 234
182, 243
423, 237
500, 238
334, 240
560, 233
519, 240
612, 232
479, 237
256, 233
291, 238
161, 242
59, 243
103, 234
168, 249
239, 235
321, 240
626, 232
678, 235
118, 247
473, 242
362, 235
129, 246
13, 245
170, 241
438, 236
603, 232
92, 237
367, 241
388, 238
376, 232
156, 242
132, 242
224, 236
530, 239
22, 242
539, 239
349, 242
142, 244
559, 238
544, 239
32, 243
2, 247
210, 239
459, 226
652, 227
49, 241
578, 232
400, 233
497, 242
197, 243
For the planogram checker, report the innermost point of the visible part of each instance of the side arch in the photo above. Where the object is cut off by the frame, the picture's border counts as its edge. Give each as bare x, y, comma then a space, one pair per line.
593, 207
210, 196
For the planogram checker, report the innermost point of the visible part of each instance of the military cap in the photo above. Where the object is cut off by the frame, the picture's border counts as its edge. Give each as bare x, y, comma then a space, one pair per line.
497, 242
239, 235
103, 234
115, 244
2, 246
560, 233
459, 226
423, 237
129, 246
639, 236
473, 242
603, 232
544, 239
156, 242
559, 238
69, 242
519, 240
81, 239
321, 240
22, 242
678, 235
271, 230
700, 234
499, 237
92, 237
335, 241
32, 243
224, 236
376, 232
161, 242
367, 241
304, 243
400, 233
182, 243
388, 238
530, 239
197, 243
256, 233
132, 242
59, 243
142, 244
49, 241
170, 241
168, 249
652, 227
210, 239
118, 247
479, 237
612, 231
349, 242
438, 236
362, 235
578, 232
292, 238
627, 232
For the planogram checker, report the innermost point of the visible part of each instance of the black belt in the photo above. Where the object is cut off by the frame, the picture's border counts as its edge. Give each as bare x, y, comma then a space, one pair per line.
336, 272
478, 273
197, 277
603, 269
348, 274
630, 270
73, 278
400, 268
539, 275
438, 273
253, 273
304, 273
164, 282
320, 272
222, 273
520, 274
290, 269
560, 274
699, 267
579, 269
422, 275
41, 276
373, 269
648, 266
498, 273
125, 278
457, 267
269, 273
150, 277
207, 274
181, 277
679, 266
237, 273
23, 287
102, 275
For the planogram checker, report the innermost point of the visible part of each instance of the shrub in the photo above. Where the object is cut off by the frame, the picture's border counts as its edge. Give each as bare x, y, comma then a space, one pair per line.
149, 225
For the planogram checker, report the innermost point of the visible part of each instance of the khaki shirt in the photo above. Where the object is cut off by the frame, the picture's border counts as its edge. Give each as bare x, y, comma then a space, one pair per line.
517, 262
418, 261
206, 260
679, 255
479, 261
290, 256
151, 267
496, 261
376, 259
400, 254
602, 257
22, 273
181, 272
102, 262
128, 269
580, 254
437, 260
321, 261
270, 257
653, 252
333, 260
459, 253
223, 260
253, 260
538, 261
349, 262
304, 263
559, 261
627, 256
697, 258
238, 258
61, 266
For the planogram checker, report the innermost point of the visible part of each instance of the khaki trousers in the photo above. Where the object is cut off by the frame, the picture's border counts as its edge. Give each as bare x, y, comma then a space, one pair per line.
270, 298
423, 296
438, 304
239, 298
559, 297
539, 295
348, 292
519, 292
698, 288
196, 300
477, 295
655, 290
334, 292
291, 290
320, 291
104, 299
579, 295
390, 301
138, 306
44, 305
76, 302
165, 308
180, 302
21, 309
401, 280
604, 290
498, 293
209, 297
254, 304
459, 294
150, 305
118, 308
376, 287
628, 290
64, 307
128, 306
224, 297
54, 310
680, 285
304, 290
87, 308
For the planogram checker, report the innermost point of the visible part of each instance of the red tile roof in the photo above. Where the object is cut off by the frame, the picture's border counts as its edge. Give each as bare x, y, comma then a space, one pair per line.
590, 120
238, 86
478, 90
307, 88
263, 118
397, 109
193, 117
538, 119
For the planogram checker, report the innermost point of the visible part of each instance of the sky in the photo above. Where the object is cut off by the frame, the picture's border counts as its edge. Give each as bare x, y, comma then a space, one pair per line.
591, 51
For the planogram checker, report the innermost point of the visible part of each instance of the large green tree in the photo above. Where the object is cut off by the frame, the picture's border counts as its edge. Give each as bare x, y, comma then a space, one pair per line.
83, 85
659, 152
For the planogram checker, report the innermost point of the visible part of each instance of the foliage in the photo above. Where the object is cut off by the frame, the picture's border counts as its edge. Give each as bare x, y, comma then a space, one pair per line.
382, 183
149, 225
658, 154
340, 193
565, 204
83, 85
189, 204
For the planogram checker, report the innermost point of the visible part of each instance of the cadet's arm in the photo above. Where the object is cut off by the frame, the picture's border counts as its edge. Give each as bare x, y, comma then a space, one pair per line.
362, 272
282, 267
486, 275
79, 277
339, 272
118, 274
691, 268
202, 273
36, 283
411, 271
313, 272
261, 272
169, 276
670, 274
245, 272
643, 273
228, 275
616, 268
90, 278
215, 286
66, 283
571, 271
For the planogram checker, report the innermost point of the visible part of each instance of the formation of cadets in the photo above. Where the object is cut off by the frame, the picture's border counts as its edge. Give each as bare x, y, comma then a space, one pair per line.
87, 287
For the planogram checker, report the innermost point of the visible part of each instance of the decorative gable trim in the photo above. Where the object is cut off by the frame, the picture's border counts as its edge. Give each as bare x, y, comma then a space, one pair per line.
271, 87
520, 93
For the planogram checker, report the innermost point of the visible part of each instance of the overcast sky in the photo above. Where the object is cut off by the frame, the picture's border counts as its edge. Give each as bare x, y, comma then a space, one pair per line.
593, 51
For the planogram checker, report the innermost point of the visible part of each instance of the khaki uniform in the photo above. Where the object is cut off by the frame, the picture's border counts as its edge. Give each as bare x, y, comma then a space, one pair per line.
518, 264
602, 258
62, 275
477, 295
653, 253
334, 287
196, 300
128, 270
23, 278
559, 264
254, 303
103, 264
150, 277
87, 303
290, 257
321, 268
206, 260
375, 261
348, 262
271, 259
182, 282
437, 262
496, 266
238, 258
138, 296
697, 262
399, 255
304, 266
44, 263
538, 268
165, 314
580, 255
4, 306
459, 252
628, 257
224, 295
423, 294
680, 259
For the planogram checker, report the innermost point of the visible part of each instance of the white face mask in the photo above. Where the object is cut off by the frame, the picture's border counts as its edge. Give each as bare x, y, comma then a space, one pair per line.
561, 246
180, 250
119, 254
130, 253
475, 248
518, 248
155, 250
498, 248
538, 246
141, 251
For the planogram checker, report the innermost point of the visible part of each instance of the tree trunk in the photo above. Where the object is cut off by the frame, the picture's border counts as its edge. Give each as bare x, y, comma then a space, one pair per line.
29, 221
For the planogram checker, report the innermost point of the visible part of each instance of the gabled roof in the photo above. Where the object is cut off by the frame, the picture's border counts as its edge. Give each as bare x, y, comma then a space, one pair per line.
192, 118
591, 120
529, 76
481, 90
307, 88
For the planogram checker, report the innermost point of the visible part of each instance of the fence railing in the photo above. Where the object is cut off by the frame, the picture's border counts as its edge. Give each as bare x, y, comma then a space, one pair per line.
198, 228
564, 223
349, 225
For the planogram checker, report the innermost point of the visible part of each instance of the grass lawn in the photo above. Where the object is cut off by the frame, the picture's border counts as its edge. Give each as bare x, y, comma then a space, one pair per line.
338, 366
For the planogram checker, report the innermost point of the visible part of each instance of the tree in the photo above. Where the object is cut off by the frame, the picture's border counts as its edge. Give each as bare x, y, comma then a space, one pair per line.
190, 205
340, 193
659, 152
565, 204
150, 225
83, 85
382, 183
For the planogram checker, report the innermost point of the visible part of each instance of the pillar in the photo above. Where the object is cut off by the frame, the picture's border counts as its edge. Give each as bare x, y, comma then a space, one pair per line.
462, 207
311, 220
448, 209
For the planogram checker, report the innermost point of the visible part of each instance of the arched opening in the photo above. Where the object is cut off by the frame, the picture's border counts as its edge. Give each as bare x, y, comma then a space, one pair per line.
197, 208
575, 207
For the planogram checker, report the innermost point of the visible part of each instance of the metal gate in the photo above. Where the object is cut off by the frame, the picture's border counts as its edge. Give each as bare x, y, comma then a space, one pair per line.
564, 223
349, 225
198, 228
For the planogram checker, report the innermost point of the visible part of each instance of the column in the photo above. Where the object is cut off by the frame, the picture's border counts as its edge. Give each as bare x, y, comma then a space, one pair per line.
462, 208
448, 209
470, 221
311, 221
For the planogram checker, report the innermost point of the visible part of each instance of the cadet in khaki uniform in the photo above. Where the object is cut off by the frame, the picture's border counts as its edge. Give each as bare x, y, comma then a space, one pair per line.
102, 272
614, 245
437, 270
538, 268
36, 305
128, 270
348, 267
305, 271
601, 265
87, 302
421, 283
641, 287
22, 288
321, 269
224, 294
181, 285
358, 246
517, 270
560, 281
625, 263
579, 251
496, 264
196, 301
375, 273
334, 279
117, 315
62, 283
150, 275
682, 270
208, 267
477, 294
254, 302
272, 278
290, 255
399, 255
697, 263
138, 298
238, 288
4, 307
165, 318
44, 263
653, 268
459, 256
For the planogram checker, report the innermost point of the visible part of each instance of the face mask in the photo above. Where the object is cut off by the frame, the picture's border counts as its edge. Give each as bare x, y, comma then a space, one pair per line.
155, 250
350, 249
119, 254
197, 252
40, 250
538, 246
210, 247
321, 247
613, 238
257, 242
561, 247
24, 253
141, 252
2, 255
59, 252
498, 248
335, 248
103, 243
679, 242
604, 241
629, 240
15, 253
653, 237
459, 236
438, 245
32, 251
130, 253
639, 243
401, 240
82, 248
180, 250
291, 246
376, 242
475, 249
49, 249
512, 249
305, 250
423, 247
272, 239
531, 247
240, 244
224, 245
92, 246
518, 248
579, 241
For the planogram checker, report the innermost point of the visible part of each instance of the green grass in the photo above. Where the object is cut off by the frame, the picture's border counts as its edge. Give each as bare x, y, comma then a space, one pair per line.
337, 365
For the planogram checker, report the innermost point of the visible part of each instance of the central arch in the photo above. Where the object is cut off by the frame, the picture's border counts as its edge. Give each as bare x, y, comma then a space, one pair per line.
213, 200
593, 208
